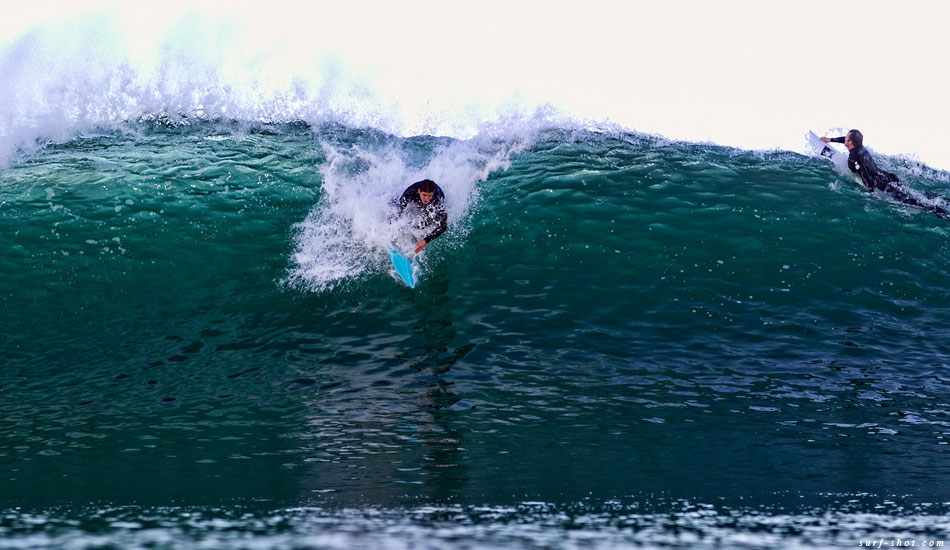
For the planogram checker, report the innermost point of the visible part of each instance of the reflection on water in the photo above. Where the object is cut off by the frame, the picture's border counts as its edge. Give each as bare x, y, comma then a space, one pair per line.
393, 438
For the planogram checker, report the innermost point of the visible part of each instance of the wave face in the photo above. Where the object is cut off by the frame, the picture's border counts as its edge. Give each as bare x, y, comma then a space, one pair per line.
610, 316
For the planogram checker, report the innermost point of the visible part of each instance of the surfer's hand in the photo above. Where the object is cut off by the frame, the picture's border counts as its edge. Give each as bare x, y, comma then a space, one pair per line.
826, 140
420, 245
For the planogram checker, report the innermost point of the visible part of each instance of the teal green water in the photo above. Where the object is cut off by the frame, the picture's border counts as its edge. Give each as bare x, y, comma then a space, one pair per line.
641, 337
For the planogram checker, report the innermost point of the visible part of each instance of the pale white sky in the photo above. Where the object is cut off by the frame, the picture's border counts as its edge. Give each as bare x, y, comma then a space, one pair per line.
751, 74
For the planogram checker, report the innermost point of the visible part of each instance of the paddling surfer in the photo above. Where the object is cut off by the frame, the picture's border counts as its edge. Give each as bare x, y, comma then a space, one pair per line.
425, 202
861, 163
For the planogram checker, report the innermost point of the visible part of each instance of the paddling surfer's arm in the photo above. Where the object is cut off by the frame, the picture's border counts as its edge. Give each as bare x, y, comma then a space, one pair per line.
834, 140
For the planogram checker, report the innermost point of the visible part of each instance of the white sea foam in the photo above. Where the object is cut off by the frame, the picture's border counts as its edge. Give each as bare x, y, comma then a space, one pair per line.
92, 74
347, 234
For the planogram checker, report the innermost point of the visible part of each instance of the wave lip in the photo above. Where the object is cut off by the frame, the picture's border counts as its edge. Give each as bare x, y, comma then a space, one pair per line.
92, 74
59, 87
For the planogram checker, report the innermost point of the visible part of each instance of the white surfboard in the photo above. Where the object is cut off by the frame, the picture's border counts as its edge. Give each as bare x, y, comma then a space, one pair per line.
828, 151
832, 154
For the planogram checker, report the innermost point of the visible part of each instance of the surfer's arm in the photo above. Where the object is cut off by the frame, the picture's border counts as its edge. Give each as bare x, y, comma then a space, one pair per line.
419, 246
402, 202
837, 139
441, 224
439, 229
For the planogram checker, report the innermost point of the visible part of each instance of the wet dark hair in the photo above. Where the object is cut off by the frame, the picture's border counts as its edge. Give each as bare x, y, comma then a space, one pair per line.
857, 138
427, 186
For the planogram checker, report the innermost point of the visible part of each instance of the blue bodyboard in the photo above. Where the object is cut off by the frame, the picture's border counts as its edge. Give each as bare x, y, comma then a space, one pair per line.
403, 267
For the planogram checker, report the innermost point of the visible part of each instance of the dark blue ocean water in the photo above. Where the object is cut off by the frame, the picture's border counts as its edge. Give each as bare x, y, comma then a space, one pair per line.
620, 341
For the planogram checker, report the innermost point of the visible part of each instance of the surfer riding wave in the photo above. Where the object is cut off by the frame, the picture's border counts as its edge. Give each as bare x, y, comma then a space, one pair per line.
424, 203
861, 163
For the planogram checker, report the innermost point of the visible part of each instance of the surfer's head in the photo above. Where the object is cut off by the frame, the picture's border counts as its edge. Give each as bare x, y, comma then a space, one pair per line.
854, 139
426, 191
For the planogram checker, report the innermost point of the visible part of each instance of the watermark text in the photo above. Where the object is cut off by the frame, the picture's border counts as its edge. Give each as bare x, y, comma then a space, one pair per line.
901, 543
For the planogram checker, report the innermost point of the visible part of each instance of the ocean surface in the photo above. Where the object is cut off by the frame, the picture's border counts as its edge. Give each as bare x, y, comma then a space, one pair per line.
621, 341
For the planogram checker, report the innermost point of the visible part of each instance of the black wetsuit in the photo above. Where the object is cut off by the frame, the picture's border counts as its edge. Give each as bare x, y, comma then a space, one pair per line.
861, 163
426, 215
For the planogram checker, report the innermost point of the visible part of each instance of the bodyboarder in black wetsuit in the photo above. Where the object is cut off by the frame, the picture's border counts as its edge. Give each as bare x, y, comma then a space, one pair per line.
861, 163
426, 203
